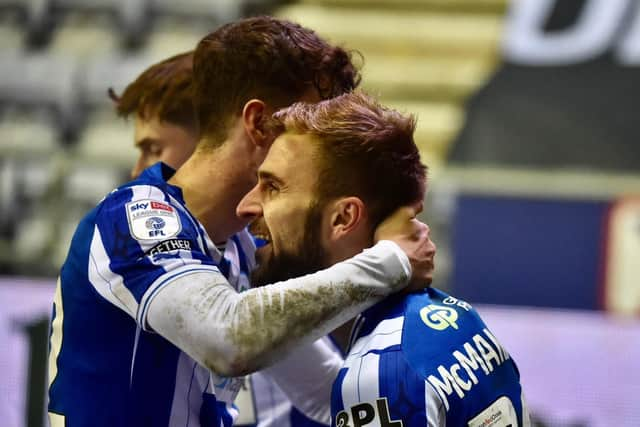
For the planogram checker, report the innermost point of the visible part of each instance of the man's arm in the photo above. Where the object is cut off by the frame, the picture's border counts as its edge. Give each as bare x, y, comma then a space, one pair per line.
306, 376
233, 334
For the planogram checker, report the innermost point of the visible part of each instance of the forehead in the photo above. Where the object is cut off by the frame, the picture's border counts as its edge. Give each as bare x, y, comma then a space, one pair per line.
293, 157
146, 126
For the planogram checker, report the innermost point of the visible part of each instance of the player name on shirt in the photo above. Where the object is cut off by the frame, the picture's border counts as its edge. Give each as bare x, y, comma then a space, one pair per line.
170, 245
481, 352
426, 358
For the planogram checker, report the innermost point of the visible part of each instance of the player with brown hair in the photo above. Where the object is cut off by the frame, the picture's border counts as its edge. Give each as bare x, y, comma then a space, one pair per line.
416, 359
161, 101
148, 327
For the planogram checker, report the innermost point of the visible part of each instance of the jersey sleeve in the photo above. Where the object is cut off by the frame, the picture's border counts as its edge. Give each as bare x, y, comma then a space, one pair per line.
142, 239
306, 375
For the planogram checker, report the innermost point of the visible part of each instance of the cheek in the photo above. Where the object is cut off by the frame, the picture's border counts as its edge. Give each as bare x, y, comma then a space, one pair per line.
286, 228
176, 151
172, 157
147, 159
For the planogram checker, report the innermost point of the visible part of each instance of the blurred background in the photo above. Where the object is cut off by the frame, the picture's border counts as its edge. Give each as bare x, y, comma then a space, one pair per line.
526, 120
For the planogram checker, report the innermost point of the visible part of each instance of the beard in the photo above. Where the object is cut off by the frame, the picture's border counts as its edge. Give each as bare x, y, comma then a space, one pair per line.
307, 257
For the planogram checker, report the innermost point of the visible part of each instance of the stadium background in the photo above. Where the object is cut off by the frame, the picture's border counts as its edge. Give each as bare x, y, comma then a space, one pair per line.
526, 120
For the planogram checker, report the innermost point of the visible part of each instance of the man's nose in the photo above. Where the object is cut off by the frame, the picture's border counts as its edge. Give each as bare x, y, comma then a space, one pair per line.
249, 207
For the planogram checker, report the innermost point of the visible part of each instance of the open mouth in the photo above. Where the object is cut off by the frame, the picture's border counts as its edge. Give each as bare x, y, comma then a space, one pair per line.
261, 239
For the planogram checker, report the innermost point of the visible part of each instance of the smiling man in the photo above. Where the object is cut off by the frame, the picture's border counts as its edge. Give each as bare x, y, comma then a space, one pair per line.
416, 359
160, 102
148, 326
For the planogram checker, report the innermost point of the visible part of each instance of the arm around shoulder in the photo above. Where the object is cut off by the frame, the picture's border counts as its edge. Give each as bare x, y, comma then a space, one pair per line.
234, 334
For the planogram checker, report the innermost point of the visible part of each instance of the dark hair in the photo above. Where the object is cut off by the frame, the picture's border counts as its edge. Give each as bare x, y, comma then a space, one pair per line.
266, 58
163, 90
366, 150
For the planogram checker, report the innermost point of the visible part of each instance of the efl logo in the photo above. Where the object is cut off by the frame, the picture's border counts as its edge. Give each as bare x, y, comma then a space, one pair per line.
155, 225
152, 220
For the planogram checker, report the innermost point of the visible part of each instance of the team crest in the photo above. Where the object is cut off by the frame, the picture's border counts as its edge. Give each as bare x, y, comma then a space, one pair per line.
152, 220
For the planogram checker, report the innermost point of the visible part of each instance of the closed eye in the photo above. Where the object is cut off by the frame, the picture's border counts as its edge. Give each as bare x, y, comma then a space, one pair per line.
149, 147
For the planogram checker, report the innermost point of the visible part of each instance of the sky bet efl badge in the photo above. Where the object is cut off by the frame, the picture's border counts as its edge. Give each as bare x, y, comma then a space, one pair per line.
152, 220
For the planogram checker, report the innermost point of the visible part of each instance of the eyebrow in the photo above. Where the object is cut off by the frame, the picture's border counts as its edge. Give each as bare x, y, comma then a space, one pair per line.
145, 141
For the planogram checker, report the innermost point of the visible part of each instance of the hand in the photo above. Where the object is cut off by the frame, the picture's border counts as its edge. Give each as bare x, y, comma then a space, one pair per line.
412, 236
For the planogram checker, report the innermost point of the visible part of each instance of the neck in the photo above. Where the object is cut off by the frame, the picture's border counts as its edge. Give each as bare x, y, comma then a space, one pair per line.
349, 247
212, 188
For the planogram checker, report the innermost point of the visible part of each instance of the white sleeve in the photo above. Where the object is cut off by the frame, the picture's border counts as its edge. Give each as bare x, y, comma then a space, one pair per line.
306, 376
436, 413
526, 417
236, 333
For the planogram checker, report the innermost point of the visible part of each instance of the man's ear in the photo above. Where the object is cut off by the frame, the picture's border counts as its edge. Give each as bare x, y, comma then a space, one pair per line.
254, 118
348, 214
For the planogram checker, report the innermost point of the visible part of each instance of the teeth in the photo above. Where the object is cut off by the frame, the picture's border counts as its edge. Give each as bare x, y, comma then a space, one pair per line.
262, 237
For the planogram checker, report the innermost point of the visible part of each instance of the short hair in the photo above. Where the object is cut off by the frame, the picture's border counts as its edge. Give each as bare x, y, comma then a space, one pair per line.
266, 58
365, 150
163, 90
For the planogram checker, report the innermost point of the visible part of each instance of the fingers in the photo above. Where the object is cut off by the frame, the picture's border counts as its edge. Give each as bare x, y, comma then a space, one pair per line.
421, 230
421, 255
412, 235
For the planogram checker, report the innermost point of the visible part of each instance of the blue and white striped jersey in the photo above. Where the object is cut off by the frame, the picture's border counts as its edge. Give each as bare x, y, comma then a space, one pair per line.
105, 367
269, 404
272, 407
426, 359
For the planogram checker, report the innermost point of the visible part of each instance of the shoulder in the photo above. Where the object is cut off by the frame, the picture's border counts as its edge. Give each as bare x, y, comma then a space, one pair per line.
440, 316
136, 191
148, 211
435, 321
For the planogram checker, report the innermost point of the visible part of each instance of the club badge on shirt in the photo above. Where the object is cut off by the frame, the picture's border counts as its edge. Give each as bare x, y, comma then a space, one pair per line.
152, 220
